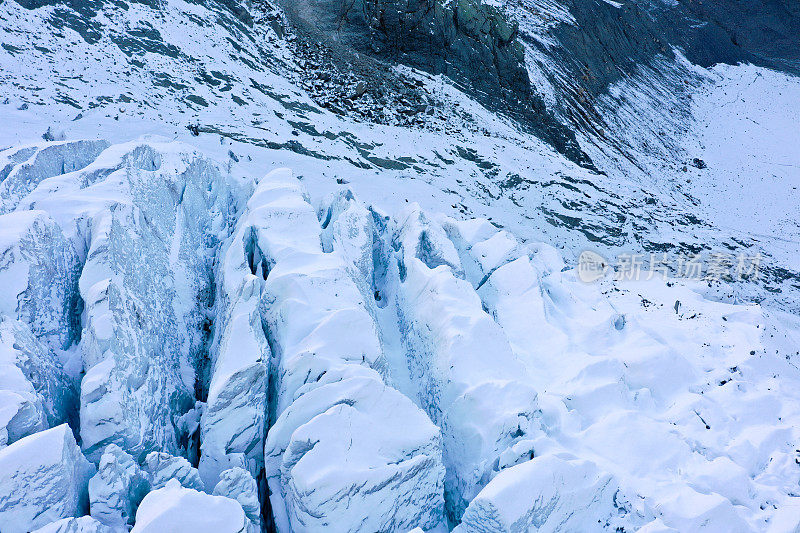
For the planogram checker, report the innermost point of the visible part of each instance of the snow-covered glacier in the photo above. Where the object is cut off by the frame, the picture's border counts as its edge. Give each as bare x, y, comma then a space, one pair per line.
245, 355
309, 266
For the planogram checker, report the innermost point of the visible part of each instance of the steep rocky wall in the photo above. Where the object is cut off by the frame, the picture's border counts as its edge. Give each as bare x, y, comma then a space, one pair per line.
470, 42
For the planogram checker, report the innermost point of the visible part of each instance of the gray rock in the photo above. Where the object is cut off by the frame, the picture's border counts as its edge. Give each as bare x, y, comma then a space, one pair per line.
471, 42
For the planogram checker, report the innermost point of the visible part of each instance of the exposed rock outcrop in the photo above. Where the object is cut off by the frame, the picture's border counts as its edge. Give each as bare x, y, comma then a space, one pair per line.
471, 42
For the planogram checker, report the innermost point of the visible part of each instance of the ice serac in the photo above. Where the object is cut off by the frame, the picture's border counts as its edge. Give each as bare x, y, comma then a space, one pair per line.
24, 168
39, 271
176, 508
43, 477
465, 374
83, 524
147, 287
330, 398
338, 453
237, 484
308, 298
546, 494
35, 393
347, 228
234, 423
162, 467
520, 287
117, 488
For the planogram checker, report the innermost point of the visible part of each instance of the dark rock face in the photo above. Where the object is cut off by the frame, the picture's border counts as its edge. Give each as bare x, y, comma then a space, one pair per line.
606, 42
764, 32
471, 43
601, 42
481, 50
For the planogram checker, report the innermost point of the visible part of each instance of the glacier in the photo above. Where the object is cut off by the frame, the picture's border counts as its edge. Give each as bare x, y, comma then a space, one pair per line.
296, 365
284, 266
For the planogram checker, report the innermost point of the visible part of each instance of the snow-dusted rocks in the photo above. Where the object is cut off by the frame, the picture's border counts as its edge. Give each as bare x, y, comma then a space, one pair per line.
34, 391
43, 477
546, 494
39, 273
176, 508
117, 488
